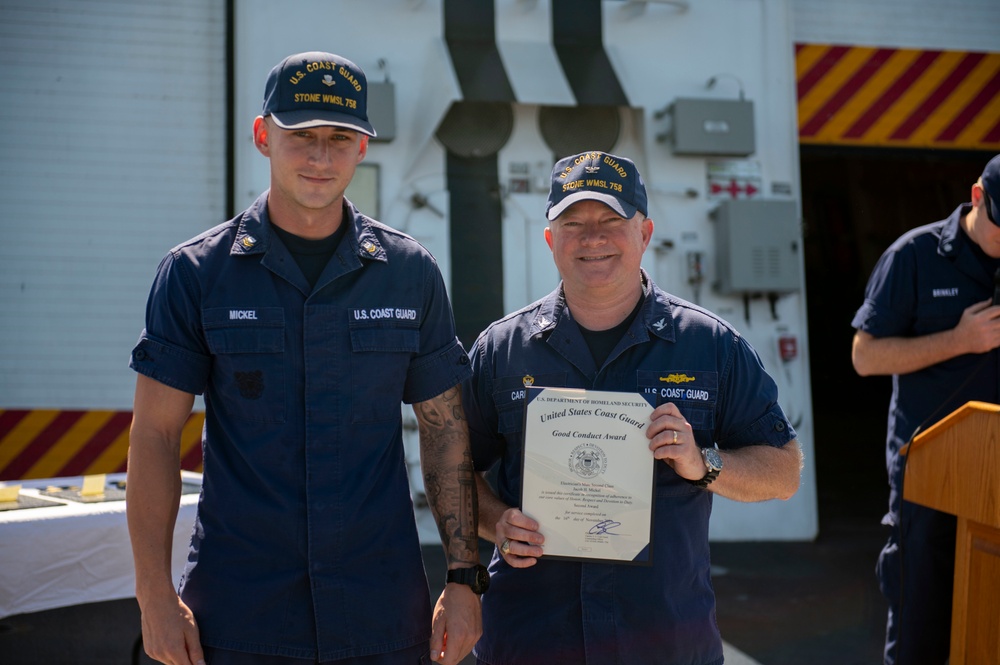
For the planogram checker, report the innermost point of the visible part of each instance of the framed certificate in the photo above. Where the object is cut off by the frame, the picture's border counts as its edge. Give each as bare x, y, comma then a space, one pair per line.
589, 473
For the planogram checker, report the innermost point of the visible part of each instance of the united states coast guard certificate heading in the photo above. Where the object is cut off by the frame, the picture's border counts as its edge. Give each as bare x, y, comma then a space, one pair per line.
589, 473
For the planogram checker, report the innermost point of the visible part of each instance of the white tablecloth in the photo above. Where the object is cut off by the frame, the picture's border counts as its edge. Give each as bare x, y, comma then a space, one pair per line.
74, 553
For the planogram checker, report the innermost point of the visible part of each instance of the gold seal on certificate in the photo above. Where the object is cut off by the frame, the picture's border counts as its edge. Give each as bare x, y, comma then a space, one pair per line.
589, 473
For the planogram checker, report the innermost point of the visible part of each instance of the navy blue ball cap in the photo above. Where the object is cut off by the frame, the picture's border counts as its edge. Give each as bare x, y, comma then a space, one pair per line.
317, 89
597, 176
991, 185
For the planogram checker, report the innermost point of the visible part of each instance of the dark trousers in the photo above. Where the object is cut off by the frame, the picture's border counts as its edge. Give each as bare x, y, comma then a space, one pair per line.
916, 570
418, 655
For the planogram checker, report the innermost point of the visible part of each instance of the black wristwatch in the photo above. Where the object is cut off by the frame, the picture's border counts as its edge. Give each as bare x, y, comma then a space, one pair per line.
476, 577
713, 464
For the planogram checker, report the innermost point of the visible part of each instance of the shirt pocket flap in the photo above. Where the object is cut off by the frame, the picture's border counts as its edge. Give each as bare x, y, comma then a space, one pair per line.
397, 337
259, 330
509, 393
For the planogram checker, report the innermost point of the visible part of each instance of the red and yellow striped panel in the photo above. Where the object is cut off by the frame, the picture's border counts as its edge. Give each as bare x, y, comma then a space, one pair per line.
54, 443
900, 98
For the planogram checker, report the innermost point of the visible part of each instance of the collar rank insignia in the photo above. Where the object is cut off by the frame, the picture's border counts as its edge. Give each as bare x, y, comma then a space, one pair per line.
660, 325
248, 241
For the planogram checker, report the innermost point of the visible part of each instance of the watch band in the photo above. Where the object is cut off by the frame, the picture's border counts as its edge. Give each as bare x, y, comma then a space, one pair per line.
476, 577
706, 480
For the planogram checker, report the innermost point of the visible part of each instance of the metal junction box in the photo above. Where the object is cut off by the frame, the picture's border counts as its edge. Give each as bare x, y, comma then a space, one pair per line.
712, 127
382, 110
757, 244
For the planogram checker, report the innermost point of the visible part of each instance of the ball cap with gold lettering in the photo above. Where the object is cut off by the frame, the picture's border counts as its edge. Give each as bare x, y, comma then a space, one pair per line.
317, 89
597, 176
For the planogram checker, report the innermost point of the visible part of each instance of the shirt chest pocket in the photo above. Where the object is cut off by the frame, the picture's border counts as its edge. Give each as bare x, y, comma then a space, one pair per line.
937, 314
694, 393
380, 359
509, 393
248, 350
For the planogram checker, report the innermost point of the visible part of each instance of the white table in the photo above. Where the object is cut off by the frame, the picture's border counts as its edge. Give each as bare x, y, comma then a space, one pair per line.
74, 553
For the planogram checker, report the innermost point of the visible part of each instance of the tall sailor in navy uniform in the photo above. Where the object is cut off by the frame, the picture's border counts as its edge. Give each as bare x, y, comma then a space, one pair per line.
305, 324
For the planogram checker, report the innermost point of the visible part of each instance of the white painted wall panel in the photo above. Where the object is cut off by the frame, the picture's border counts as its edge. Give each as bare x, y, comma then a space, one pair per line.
661, 54
112, 150
957, 25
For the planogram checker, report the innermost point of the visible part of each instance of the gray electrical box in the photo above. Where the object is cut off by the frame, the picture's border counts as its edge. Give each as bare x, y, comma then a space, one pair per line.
712, 127
757, 245
382, 110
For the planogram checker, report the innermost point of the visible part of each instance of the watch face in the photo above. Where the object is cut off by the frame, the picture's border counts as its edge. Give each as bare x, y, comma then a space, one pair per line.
712, 459
482, 580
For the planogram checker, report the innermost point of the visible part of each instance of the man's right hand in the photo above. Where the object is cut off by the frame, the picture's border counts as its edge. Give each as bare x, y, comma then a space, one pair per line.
170, 633
979, 328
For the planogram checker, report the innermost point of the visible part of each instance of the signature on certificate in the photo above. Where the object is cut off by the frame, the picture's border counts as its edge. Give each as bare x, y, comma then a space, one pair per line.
605, 526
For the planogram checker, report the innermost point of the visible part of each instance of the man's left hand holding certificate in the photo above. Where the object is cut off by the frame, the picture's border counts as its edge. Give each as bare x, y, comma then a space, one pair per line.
589, 473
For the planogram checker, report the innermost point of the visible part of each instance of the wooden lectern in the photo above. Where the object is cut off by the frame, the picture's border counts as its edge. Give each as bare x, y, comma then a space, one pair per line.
954, 467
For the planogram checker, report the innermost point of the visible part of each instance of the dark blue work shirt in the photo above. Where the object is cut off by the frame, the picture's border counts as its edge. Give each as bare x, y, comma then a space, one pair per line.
921, 285
600, 613
305, 543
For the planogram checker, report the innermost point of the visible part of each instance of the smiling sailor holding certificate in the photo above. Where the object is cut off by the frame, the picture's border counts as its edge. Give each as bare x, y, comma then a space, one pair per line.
612, 412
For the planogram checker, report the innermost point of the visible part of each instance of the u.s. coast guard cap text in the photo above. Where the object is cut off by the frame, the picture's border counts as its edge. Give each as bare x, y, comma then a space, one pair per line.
317, 89
598, 176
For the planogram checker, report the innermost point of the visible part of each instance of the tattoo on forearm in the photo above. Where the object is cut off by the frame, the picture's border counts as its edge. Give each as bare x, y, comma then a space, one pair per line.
442, 412
449, 476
